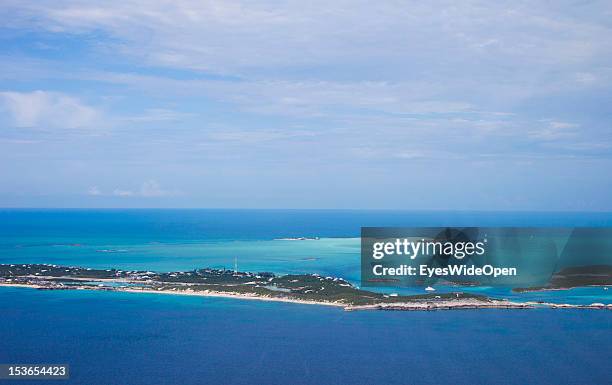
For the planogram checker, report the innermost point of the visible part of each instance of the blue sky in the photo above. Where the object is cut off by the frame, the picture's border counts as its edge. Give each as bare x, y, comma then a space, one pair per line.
266, 104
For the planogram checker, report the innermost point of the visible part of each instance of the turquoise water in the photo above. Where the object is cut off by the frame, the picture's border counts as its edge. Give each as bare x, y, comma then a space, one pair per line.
125, 338
170, 240
327, 255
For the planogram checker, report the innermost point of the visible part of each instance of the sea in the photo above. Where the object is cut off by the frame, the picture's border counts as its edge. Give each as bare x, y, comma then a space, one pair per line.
126, 338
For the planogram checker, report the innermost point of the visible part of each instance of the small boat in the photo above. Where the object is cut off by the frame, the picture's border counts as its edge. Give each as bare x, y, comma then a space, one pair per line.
429, 288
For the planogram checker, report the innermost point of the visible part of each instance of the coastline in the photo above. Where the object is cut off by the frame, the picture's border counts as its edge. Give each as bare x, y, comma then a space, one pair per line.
464, 304
547, 289
231, 295
182, 292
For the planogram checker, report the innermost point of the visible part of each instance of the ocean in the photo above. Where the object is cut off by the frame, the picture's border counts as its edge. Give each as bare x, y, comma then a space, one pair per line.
123, 338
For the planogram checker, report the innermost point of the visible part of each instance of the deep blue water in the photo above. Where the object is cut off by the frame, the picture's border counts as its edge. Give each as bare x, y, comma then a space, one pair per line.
164, 225
121, 338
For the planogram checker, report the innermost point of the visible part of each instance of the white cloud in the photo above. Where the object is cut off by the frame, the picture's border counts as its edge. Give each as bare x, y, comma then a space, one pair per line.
148, 189
321, 98
554, 130
151, 188
255, 136
238, 35
387, 58
310, 98
585, 78
47, 110
158, 115
557, 125
94, 190
393, 71
123, 193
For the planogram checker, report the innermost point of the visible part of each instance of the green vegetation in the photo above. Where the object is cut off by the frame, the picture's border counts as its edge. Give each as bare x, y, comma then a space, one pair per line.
595, 275
303, 287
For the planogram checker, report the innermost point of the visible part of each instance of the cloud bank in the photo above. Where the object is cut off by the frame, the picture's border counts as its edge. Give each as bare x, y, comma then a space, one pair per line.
47, 109
266, 100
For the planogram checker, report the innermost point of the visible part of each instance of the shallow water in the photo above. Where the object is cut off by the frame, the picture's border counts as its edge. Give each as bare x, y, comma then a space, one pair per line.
171, 240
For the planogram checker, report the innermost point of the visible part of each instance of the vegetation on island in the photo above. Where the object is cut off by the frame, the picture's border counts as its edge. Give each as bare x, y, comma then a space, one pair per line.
577, 276
302, 287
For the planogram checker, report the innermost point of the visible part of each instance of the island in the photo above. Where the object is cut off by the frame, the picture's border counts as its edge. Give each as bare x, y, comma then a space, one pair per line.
298, 288
576, 276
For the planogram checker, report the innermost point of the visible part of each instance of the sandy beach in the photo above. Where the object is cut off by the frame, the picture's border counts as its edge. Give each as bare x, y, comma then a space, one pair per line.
461, 304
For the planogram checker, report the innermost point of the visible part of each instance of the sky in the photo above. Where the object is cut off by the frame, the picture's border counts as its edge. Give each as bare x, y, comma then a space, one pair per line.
438, 105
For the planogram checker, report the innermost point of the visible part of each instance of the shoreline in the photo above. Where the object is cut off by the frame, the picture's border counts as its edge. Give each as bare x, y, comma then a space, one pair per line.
228, 295
464, 304
547, 289
183, 292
